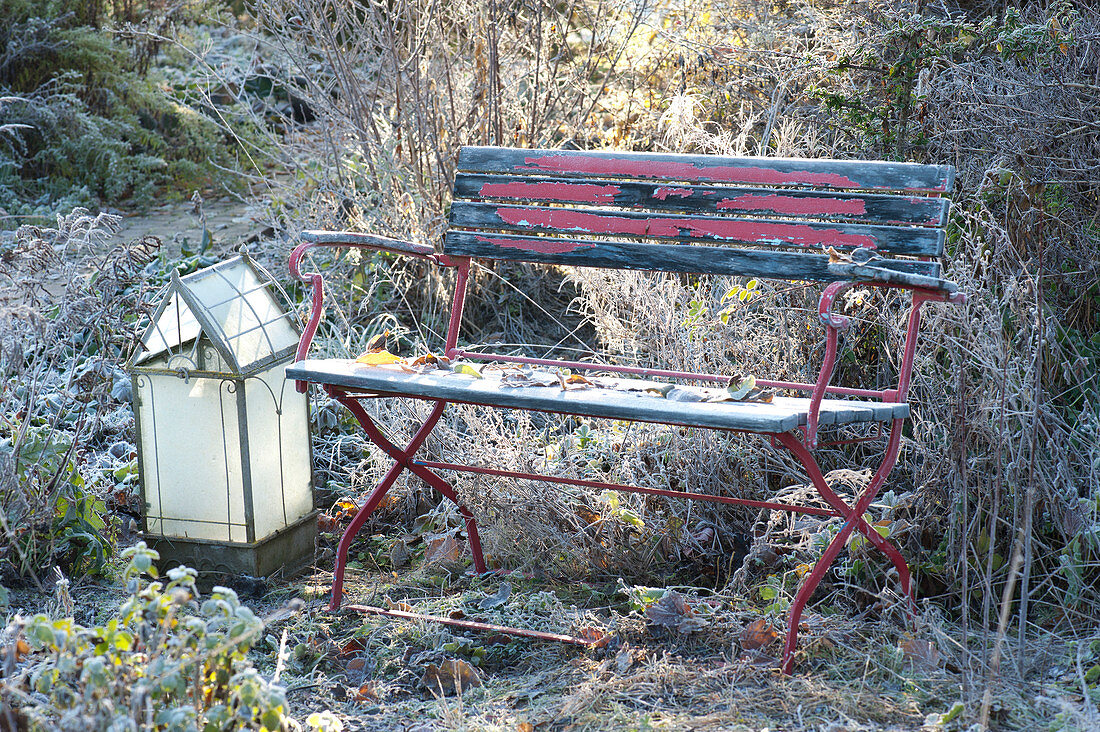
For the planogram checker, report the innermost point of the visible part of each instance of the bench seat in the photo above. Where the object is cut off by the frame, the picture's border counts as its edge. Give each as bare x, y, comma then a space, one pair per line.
614, 398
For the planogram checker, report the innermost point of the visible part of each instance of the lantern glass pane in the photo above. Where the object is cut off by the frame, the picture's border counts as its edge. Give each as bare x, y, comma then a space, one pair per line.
175, 326
278, 450
250, 323
191, 466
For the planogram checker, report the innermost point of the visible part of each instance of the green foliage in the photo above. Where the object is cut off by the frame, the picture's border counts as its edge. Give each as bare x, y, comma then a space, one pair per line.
80, 123
163, 661
885, 113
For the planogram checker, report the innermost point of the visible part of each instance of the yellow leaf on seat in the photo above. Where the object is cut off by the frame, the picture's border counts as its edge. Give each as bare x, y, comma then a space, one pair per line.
379, 358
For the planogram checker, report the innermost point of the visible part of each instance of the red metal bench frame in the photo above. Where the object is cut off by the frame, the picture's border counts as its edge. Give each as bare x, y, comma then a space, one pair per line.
922, 290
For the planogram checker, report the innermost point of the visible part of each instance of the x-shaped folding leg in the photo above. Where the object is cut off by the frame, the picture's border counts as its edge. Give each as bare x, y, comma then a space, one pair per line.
855, 521
403, 459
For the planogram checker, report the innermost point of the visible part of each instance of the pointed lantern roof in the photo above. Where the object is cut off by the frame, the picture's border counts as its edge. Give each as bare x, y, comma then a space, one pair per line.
232, 304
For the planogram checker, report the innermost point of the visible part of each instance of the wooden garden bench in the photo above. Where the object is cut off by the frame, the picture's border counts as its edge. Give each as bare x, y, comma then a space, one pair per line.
841, 223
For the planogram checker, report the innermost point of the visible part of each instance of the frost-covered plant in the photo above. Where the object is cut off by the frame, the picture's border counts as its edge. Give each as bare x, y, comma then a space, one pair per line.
163, 661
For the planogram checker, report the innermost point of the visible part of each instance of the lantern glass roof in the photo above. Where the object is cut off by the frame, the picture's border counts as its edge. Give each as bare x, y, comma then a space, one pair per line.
235, 305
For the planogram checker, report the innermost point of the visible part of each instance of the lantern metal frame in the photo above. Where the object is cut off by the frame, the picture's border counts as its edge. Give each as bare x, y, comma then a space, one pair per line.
203, 350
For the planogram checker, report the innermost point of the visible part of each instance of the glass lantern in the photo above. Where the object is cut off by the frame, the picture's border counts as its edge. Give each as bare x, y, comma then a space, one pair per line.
223, 438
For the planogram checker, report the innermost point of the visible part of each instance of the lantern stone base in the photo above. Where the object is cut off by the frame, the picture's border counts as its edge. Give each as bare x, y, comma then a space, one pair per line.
286, 552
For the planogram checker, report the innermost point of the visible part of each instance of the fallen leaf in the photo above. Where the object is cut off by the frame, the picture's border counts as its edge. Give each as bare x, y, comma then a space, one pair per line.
379, 358
399, 555
326, 523
443, 548
673, 611
352, 647
451, 677
402, 606
467, 370
624, 659
378, 342
456, 615
366, 692
836, 257
573, 382
498, 598
588, 515
758, 634
760, 395
595, 637
919, 654
525, 727
740, 386
357, 664
20, 648
660, 389
681, 394
430, 361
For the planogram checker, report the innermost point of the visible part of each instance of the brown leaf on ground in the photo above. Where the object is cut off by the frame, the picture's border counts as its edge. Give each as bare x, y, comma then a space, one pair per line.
919, 654
366, 692
443, 549
402, 606
525, 727
352, 648
758, 634
451, 677
588, 515
672, 611
399, 554
595, 637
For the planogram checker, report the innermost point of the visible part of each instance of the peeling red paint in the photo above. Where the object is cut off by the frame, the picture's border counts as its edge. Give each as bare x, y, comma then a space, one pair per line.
760, 232
541, 245
555, 191
643, 168
806, 206
665, 191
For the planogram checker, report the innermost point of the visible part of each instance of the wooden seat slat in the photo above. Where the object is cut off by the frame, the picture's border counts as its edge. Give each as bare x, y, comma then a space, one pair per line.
696, 259
783, 202
815, 235
832, 174
783, 414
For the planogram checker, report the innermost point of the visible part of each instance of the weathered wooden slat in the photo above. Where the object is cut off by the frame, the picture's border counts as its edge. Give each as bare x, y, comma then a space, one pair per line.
783, 414
872, 175
787, 203
662, 257
913, 241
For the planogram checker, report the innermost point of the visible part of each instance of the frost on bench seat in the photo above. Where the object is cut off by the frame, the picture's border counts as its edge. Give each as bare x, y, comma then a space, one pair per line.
613, 398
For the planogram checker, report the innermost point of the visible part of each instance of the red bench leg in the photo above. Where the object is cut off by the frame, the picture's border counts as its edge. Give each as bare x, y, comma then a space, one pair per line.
855, 520
403, 460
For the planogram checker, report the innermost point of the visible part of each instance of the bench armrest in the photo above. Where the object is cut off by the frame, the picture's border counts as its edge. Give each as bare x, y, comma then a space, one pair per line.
871, 275
349, 239
924, 289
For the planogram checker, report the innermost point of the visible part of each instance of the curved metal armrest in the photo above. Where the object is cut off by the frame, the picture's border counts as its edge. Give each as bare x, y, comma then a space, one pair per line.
924, 289
344, 239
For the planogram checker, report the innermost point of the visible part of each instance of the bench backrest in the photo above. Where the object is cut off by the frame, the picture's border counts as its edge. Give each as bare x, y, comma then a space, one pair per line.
637, 210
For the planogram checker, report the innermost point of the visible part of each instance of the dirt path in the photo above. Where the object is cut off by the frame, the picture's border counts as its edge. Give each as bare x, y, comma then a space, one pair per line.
230, 222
